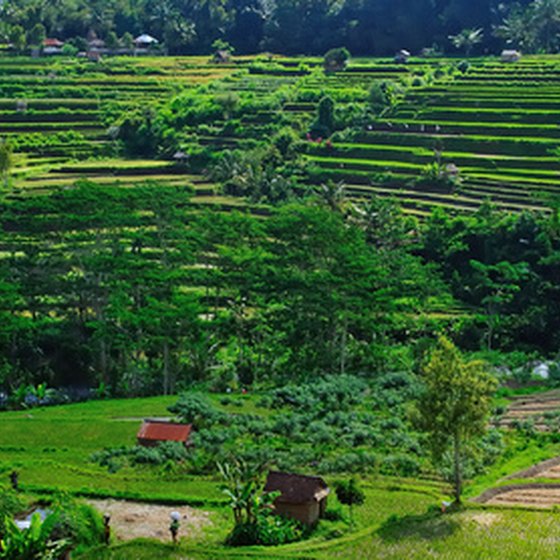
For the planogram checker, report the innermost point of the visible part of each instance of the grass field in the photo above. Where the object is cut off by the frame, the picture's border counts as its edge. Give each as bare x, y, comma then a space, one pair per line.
51, 449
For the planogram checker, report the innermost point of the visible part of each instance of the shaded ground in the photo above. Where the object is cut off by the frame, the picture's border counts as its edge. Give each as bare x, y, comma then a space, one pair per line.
132, 520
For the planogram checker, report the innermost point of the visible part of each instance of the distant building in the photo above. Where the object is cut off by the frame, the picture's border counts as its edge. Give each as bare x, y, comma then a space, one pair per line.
96, 44
181, 157
93, 56
52, 46
303, 498
510, 56
153, 432
145, 41
402, 57
221, 57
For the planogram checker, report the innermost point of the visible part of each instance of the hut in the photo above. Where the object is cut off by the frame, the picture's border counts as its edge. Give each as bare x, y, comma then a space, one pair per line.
221, 56
145, 41
402, 57
52, 46
510, 56
303, 498
153, 432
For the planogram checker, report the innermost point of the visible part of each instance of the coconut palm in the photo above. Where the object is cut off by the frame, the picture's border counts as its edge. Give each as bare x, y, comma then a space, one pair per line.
467, 39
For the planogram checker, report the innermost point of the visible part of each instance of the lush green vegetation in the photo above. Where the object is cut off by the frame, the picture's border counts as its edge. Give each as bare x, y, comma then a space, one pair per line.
282, 241
377, 27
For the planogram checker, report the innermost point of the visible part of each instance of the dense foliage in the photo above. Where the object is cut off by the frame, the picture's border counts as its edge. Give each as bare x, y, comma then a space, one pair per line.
288, 26
300, 293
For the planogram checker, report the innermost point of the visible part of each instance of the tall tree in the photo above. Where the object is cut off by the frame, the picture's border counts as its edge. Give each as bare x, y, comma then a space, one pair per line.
454, 405
6, 161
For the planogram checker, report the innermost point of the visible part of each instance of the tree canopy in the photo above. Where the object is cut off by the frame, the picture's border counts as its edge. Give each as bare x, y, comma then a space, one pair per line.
375, 27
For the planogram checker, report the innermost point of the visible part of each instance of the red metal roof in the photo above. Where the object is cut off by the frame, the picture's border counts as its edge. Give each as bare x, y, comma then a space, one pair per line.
52, 43
164, 431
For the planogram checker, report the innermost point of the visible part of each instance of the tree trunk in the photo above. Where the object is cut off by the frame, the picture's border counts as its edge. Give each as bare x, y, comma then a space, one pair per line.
103, 361
166, 383
457, 468
343, 342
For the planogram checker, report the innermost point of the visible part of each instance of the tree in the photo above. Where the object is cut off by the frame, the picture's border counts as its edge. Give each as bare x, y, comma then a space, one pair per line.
454, 405
112, 41
221, 45
350, 494
336, 59
6, 161
242, 485
36, 35
497, 285
17, 38
127, 41
229, 102
467, 39
324, 124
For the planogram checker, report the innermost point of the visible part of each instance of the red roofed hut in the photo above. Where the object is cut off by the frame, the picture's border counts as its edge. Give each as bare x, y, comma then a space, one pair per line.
303, 498
153, 432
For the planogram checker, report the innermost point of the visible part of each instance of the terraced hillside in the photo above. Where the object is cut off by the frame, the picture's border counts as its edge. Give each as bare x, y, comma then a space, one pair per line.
492, 122
59, 112
541, 410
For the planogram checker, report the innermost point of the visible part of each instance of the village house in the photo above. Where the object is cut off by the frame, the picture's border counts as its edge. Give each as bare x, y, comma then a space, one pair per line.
52, 46
303, 498
153, 432
145, 41
510, 56
221, 57
402, 57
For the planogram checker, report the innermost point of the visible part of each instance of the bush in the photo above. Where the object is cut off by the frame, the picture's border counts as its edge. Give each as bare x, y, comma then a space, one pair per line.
196, 409
76, 522
10, 503
399, 465
267, 530
336, 59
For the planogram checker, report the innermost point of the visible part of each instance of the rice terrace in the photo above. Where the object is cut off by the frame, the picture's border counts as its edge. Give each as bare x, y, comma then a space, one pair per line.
279, 279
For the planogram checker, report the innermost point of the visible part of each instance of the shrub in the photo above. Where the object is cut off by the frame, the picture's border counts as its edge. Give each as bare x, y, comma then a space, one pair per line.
353, 462
350, 494
196, 409
10, 503
383, 94
399, 465
336, 59
267, 530
76, 522
463, 66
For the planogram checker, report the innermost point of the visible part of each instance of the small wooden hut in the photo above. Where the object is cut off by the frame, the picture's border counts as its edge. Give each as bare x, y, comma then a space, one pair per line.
510, 56
303, 498
402, 56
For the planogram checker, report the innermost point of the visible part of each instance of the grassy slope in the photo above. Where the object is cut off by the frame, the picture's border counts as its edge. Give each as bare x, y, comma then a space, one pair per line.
51, 448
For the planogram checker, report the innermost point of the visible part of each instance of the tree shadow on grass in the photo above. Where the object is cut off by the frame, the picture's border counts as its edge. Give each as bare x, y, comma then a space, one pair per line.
428, 526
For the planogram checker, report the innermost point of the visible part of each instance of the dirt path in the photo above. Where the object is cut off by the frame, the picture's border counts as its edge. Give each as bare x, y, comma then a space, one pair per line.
131, 520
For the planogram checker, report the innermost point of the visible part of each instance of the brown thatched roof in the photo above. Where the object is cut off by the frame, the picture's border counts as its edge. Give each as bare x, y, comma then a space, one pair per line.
296, 488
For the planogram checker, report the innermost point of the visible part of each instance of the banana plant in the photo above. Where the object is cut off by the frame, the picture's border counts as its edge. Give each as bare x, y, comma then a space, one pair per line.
33, 543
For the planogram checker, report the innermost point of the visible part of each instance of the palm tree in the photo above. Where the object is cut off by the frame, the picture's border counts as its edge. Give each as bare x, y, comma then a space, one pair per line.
467, 39
333, 195
517, 30
545, 21
6, 161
